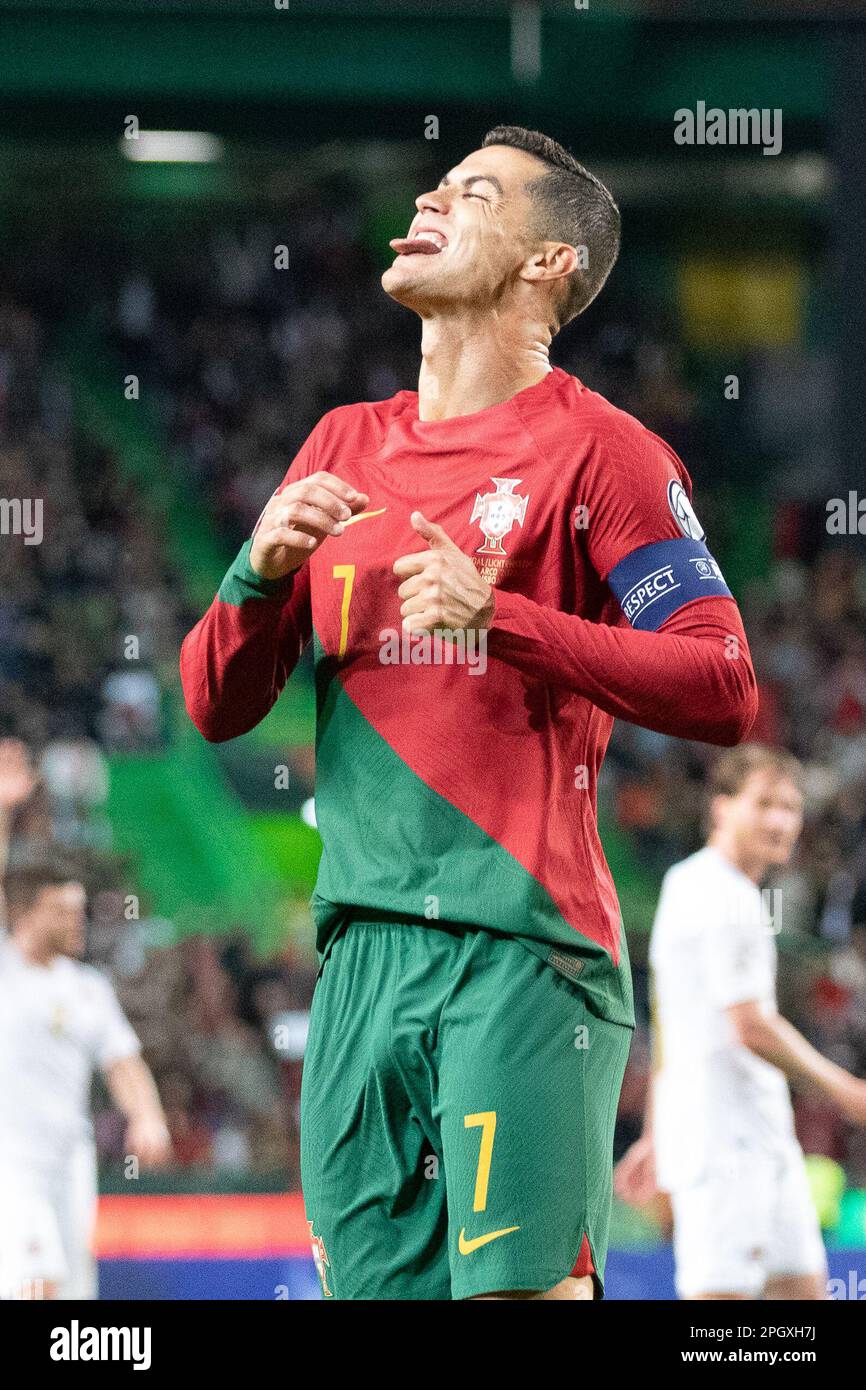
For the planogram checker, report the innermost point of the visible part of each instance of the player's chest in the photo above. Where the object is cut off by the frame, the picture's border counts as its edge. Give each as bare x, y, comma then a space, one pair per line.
516, 526
50, 1017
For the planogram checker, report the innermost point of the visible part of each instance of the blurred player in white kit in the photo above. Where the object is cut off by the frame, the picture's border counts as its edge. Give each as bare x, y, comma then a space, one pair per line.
719, 1130
59, 1019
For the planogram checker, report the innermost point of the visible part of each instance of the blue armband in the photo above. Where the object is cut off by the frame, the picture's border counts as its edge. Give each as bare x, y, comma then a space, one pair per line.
654, 581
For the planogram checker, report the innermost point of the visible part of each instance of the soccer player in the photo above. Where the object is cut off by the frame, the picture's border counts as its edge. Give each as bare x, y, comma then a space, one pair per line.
58, 1020
473, 1009
720, 1130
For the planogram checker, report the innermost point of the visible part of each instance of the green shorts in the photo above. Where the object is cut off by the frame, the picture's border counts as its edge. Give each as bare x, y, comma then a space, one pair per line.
457, 1116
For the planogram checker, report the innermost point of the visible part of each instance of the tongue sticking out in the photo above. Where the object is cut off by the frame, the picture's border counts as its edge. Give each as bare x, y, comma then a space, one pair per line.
415, 246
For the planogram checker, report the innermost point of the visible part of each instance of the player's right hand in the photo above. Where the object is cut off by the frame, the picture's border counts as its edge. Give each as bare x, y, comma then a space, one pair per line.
297, 520
634, 1177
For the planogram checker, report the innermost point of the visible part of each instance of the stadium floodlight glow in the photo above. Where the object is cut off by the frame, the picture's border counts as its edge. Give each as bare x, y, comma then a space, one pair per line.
172, 147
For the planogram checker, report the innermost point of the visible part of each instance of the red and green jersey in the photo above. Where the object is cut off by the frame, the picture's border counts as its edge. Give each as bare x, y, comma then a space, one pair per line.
464, 790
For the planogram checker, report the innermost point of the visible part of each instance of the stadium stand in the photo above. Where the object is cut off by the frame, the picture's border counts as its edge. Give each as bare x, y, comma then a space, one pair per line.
239, 363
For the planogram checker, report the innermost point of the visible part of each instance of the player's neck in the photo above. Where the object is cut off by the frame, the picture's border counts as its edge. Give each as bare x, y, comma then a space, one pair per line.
31, 951
466, 366
748, 864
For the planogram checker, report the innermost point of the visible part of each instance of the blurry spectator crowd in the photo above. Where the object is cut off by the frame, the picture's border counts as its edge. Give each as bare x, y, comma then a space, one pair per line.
67, 674
240, 358
224, 1036
222, 1033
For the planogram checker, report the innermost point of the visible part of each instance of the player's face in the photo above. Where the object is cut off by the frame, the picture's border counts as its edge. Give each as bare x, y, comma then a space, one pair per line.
765, 817
470, 236
57, 918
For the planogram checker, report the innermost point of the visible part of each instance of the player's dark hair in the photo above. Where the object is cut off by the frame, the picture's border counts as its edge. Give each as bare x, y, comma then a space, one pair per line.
27, 875
735, 765
572, 206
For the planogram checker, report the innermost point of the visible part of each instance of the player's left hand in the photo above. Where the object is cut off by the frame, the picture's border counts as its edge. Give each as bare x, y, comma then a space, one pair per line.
147, 1137
441, 587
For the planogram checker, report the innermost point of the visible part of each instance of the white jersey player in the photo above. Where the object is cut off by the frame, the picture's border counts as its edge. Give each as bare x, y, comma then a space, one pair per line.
720, 1134
59, 1019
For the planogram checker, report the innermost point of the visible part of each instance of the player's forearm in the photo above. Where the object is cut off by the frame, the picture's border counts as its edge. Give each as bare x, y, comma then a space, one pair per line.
691, 679
238, 657
230, 670
776, 1040
133, 1089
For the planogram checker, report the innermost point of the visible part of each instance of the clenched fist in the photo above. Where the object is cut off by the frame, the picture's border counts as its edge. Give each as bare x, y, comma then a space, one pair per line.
298, 519
441, 587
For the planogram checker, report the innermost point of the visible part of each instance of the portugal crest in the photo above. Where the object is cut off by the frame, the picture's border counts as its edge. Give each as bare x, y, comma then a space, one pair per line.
496, 513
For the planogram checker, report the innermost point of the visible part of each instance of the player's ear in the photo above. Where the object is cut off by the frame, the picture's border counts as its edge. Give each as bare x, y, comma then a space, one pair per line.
553, 260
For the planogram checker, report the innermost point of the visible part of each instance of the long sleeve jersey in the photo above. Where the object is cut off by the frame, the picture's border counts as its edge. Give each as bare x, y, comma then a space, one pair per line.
456, 781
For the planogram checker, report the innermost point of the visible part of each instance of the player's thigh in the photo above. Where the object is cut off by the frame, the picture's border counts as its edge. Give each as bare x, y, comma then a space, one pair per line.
75, 1206
32, 1261
722, 1229
797, 1262
529, 1083
374, 1198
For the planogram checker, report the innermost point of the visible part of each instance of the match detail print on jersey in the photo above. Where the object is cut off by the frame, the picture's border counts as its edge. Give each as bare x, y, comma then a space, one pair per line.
655, 580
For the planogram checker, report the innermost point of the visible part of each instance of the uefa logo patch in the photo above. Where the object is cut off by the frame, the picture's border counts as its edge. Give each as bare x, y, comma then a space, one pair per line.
684, 512
706, 568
